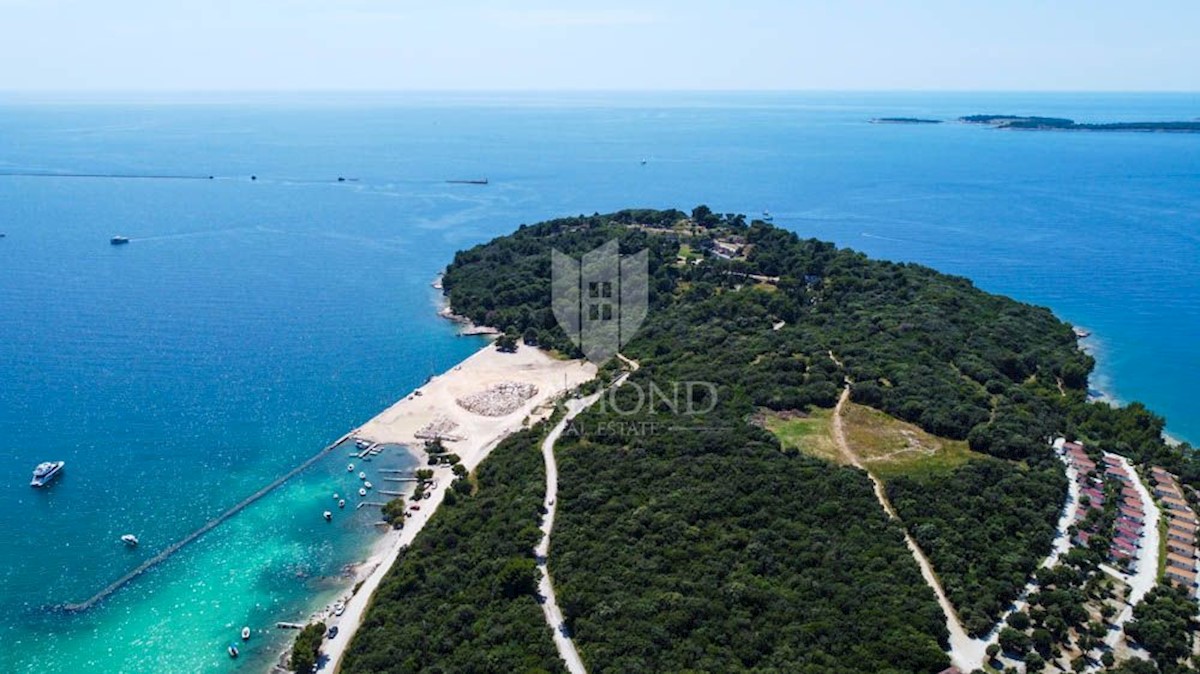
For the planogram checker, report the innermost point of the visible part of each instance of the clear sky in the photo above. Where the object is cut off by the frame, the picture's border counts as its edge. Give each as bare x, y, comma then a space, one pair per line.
229, 45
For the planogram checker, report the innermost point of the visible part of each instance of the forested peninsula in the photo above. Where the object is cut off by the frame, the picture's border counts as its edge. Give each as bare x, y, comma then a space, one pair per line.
733, 539
1063, 124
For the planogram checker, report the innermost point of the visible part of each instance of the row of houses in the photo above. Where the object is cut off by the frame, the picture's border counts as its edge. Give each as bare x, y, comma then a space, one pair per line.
1131, 514
1181, 529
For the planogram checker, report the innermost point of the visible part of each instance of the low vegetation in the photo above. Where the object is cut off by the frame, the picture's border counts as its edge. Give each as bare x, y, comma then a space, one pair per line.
806, 432
890, 447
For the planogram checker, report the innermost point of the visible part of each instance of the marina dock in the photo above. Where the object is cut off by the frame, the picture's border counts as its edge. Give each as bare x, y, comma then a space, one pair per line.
208, 526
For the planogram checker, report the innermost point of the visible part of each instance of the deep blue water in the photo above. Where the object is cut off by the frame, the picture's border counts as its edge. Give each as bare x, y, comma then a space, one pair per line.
251, 322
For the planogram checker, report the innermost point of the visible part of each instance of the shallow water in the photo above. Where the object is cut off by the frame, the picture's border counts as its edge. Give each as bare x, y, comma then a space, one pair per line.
249, 323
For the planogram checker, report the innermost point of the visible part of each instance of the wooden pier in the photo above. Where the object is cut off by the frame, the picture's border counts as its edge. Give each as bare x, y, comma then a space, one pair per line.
208, 526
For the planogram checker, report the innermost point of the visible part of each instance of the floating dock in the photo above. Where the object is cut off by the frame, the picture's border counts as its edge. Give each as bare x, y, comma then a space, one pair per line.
208, 526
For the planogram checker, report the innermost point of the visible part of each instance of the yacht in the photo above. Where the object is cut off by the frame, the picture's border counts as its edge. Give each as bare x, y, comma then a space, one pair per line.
45, 472
119, 240
349, 468
362, 475
246, 633
362, 491
367, 484
342, 503
328, 516
130, 540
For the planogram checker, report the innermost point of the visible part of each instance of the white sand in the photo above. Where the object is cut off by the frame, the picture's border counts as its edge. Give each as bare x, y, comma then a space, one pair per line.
400, 423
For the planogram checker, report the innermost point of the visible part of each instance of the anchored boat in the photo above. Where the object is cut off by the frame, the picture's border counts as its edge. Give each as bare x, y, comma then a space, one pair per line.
45, 472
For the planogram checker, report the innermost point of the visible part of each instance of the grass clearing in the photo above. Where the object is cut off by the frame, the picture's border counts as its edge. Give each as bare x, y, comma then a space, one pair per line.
808, 433
890, 447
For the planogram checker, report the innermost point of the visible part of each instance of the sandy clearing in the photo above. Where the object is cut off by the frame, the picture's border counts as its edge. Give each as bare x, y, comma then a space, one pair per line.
479, 435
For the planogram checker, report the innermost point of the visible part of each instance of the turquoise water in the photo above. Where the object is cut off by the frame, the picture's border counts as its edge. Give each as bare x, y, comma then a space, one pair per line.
252, 322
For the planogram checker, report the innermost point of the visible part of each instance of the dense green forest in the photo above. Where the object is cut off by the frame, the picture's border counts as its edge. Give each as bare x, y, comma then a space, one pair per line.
462, 597
985, 529
926, 347
691, 541
713, 551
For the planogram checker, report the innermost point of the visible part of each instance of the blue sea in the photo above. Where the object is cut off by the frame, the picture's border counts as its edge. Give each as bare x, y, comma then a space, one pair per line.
251, 322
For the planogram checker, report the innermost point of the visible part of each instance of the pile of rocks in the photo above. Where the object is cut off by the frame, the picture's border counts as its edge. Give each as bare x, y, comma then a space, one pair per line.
499, 400
441, 427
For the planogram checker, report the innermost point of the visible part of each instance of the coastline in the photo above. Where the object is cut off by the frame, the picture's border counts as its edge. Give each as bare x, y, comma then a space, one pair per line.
1101, 383
470, 435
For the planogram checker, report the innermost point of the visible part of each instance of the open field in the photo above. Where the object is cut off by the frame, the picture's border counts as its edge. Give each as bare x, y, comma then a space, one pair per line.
888, 446
808, 434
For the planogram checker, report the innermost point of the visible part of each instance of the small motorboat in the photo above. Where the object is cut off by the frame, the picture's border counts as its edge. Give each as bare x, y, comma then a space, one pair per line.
367, 484
362, 475
328, 516
119, 240
349, 468
342, 503
362, 491
130, 540
246, 633
361, 444
233, 650
336, 497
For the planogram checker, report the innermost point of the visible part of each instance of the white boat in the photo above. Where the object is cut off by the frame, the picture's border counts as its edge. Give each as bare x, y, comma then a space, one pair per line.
342, 503
130, 540
245, 633
361, 444
362, 475
45, 472
233, 650
362, 491
336, 497
367, 484
328, 516
349, 468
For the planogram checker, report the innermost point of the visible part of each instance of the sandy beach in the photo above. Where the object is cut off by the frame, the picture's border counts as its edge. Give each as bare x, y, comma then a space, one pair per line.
484, 382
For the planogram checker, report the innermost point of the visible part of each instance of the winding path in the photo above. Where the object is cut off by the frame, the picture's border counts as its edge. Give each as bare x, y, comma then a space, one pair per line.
554, 617
966, 653
550, 609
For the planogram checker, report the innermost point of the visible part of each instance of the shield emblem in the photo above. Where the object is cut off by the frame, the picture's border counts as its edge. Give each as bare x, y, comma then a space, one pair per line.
601, 300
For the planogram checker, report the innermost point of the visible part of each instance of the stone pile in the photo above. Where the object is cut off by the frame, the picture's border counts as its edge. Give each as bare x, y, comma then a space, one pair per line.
500, 400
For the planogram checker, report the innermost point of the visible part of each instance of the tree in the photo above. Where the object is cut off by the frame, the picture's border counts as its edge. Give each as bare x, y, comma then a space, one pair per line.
506, 343
307, 647
992, 651
518, 577
1014, 642
531, 336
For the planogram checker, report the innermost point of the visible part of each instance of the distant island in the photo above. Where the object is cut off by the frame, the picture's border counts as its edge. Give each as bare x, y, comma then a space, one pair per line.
904, 120
1063, 124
